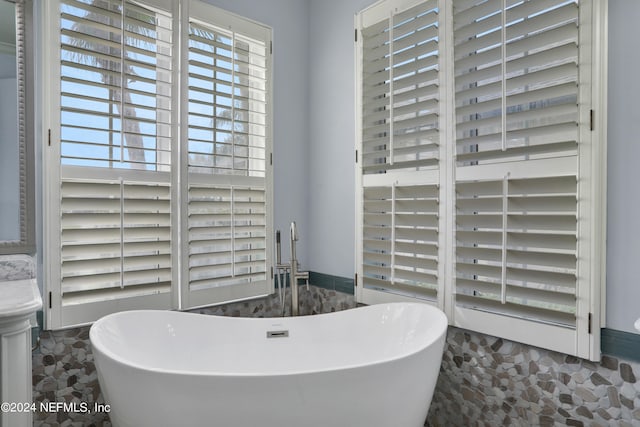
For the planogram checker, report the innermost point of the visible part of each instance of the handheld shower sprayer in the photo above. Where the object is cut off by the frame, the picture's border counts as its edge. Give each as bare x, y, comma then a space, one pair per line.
278, 249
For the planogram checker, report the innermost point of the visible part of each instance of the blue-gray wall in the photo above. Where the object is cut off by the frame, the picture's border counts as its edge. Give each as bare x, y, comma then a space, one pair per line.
623, 179
332, 126
290, 21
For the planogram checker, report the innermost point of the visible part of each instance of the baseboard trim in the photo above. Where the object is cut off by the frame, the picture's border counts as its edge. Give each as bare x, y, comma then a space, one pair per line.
621, 344
333, 283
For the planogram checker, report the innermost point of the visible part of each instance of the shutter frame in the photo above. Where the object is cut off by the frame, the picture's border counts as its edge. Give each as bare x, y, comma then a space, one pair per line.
147, 230
560, 146
547, 134
248, 173
400, 214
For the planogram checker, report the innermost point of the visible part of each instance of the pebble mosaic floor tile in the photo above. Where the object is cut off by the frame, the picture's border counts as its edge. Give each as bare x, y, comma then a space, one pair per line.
484, 381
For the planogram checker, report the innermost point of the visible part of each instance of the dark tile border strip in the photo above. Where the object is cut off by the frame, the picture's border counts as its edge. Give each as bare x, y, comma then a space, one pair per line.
326, 281
621, 344
333, 283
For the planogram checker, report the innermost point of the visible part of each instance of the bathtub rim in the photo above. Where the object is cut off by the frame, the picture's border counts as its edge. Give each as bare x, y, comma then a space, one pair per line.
439, 319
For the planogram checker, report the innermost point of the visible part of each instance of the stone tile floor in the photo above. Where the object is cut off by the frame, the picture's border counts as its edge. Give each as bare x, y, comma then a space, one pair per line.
487, 381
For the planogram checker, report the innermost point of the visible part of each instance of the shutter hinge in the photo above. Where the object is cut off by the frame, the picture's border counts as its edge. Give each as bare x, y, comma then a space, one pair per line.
356, 156
355, 281
50, 300
591, 120
272, 273
49, 137
271, 159
590, 329
356, 31
271, 47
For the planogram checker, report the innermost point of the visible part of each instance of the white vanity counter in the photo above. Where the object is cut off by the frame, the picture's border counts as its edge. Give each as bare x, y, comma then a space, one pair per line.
19, 298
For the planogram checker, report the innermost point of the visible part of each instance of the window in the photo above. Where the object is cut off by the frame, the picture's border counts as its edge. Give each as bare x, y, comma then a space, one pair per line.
142, 212
523, 191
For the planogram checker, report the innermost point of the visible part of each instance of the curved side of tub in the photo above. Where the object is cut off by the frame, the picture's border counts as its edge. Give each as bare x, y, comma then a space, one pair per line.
370, 366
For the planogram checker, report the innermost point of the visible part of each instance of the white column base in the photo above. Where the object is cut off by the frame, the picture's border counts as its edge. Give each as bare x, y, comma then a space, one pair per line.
15, 372
19, 300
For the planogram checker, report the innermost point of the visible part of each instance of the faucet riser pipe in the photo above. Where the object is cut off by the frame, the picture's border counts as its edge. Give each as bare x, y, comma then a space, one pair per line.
294, 290
294, 271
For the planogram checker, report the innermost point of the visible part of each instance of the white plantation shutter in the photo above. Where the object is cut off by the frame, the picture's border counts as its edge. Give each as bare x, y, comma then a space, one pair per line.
400, 214
111, 214
490, 200
228, 231
523, 160
131, 194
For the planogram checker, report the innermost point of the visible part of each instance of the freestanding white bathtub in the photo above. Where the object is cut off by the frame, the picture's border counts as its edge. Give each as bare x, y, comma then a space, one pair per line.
369, 366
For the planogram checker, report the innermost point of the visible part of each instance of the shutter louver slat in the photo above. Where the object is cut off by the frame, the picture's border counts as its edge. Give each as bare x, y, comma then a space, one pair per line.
486, 47
537, 21
522, 10
491, 305
407, 20
470, 14
105, 293
411, 37
525, 118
